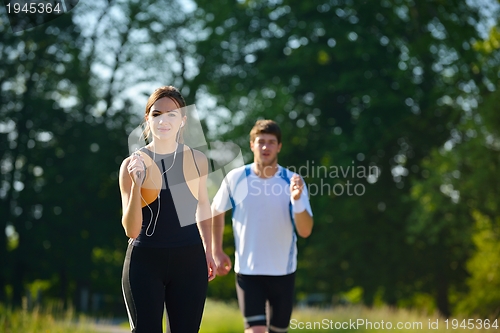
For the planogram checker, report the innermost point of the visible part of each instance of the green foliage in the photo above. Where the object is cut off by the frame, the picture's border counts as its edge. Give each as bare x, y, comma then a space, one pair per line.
406, 86
37, 320
63, 134
226, 318
354, 84
221, 317
37, 95
491, 44
458, 201
484, 268
354, 295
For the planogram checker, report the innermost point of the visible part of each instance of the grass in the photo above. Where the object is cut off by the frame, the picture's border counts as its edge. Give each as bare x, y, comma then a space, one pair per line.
226, 318
356, 319
221, 317
48, 320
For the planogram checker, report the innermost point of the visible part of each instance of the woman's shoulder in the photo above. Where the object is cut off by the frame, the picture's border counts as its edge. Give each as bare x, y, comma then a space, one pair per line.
125, 161
200, 159
123, 174
198, 155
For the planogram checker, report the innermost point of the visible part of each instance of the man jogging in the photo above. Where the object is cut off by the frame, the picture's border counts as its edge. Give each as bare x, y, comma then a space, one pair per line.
269, 205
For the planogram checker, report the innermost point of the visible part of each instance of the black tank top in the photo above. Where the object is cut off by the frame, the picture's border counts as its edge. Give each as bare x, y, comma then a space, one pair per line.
176, 222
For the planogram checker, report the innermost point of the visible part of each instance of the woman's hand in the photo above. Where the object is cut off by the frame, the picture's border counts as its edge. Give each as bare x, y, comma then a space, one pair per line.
136, 169
211, 267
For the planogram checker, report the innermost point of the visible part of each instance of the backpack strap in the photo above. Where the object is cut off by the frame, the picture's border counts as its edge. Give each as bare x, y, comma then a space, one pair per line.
284, 176
248, 170
246, 174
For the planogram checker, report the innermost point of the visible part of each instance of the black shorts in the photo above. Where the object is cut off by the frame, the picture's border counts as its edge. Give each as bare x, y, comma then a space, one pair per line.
261, 294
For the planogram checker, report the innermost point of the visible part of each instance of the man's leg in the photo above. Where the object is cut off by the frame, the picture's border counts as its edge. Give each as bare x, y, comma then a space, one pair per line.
256, 329
280, 292
252, 302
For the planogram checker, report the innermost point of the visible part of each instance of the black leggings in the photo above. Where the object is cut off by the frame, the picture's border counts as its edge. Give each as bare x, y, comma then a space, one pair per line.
176, 277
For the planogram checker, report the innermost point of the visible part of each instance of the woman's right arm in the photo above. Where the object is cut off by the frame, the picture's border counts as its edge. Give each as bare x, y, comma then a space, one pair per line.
131, 195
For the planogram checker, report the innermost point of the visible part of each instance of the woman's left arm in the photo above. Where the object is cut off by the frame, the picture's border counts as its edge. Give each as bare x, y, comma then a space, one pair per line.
204, 213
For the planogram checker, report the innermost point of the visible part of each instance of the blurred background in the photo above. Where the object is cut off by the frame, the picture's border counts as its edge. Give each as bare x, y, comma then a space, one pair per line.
393, 101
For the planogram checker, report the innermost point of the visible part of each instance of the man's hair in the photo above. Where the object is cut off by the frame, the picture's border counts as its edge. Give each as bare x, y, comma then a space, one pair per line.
265, 126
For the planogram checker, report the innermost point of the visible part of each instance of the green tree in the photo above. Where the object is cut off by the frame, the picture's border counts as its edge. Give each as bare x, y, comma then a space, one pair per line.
70, 91
349, 81
459, 198
483, 297
35, 85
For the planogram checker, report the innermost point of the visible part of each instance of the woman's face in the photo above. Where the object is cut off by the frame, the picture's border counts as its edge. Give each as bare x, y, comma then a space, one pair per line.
165, 119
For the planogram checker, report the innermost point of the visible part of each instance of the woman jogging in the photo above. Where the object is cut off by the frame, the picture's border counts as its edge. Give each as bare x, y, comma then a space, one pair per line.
166, 215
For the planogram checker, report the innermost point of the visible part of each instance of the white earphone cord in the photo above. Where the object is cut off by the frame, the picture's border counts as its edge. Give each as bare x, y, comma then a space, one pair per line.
164, 172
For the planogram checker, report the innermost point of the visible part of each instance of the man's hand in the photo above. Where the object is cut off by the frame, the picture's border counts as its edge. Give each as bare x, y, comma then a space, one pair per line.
296, 186
223, 263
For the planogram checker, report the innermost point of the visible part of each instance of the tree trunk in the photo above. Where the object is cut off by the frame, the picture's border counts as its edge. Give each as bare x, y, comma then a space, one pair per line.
63, 286
18, 283
442, 294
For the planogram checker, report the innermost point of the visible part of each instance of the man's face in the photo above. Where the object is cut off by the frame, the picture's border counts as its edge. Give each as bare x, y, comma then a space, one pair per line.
265, 149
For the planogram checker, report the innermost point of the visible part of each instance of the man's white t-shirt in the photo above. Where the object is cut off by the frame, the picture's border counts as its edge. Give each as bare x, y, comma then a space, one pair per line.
263, 230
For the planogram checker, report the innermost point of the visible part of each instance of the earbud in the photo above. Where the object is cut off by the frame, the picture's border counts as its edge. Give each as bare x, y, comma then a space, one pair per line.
182, 123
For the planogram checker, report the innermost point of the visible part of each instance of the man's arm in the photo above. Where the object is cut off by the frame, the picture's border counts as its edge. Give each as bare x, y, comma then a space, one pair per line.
204, 214
303, 220
222, 260
217, 230
304, 223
